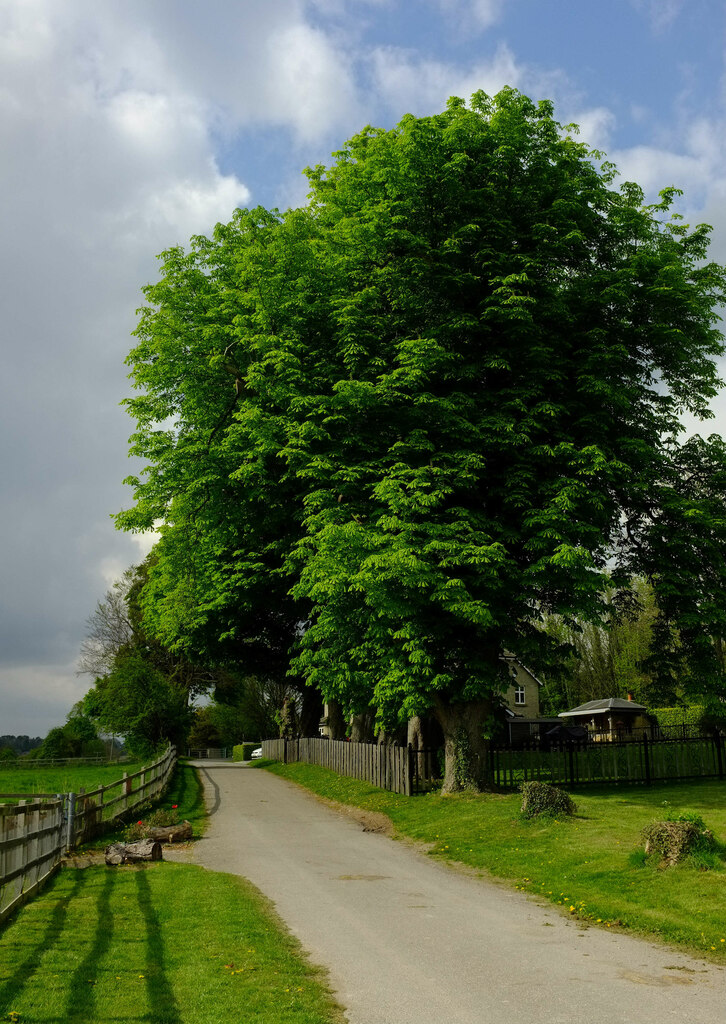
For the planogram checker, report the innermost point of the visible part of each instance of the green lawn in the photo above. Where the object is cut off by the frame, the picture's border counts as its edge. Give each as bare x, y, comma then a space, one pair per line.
160, 944
163, 944
62, 780
588, 865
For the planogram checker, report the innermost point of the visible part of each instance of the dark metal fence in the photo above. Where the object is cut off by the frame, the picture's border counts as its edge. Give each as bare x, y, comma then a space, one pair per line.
635, 759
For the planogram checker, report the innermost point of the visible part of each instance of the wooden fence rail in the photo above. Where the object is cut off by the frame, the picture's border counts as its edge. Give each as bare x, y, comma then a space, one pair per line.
28, 764
90, 811
36, 831
383, 765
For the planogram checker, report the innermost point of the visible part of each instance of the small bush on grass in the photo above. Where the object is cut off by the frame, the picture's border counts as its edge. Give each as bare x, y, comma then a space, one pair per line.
681, 837
540, 798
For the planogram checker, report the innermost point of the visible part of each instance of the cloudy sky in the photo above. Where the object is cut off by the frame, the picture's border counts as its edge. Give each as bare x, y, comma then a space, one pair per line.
128, 125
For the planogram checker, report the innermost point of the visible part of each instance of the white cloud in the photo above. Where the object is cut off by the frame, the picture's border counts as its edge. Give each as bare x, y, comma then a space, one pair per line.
472, 14
409, 83
308, 82
254, 63
596, 126
661, 13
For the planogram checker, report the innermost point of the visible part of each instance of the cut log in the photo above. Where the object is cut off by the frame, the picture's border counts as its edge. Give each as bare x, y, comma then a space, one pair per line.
171, 833
129, 853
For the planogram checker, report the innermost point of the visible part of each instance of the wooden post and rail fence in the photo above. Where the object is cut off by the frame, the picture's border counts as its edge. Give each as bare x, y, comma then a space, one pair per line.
36, 830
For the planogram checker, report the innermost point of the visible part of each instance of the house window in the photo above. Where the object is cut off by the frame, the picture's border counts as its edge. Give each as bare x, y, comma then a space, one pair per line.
519, 697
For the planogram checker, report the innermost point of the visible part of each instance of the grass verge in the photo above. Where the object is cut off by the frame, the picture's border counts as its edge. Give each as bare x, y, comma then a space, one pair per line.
161, 944
185, 793
589, 865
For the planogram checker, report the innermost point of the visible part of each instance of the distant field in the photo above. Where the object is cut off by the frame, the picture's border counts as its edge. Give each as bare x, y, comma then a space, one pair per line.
62, 780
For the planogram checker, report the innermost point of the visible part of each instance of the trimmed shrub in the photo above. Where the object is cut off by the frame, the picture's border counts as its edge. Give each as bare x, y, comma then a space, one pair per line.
678, 838
541, 798
243, 751
669, 718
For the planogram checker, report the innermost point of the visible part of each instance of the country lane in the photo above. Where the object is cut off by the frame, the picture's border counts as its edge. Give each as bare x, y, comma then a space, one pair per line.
407, 940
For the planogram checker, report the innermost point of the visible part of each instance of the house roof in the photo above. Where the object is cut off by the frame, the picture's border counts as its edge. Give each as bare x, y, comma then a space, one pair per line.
594, 707
509, 658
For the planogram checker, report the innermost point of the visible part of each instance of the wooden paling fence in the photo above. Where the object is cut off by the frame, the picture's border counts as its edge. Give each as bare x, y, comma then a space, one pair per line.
383, 765
39, 828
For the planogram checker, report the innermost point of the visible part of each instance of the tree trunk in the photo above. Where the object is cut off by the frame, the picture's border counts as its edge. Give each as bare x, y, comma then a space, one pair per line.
361, 728
312, 711
416, 738
336, 722
129, 853
466, 751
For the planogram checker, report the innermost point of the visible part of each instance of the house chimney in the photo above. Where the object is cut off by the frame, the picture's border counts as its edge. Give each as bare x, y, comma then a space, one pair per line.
630, 696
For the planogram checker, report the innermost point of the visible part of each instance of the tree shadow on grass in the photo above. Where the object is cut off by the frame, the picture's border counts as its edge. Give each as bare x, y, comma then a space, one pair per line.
11, 989
81, 1001
163, 1008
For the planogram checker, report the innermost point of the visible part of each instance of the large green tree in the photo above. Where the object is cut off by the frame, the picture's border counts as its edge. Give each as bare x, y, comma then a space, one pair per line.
397, 427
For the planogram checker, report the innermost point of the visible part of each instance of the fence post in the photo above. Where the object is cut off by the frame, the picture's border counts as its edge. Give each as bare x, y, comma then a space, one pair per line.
70, 811
718, 740
409, 772
646, 758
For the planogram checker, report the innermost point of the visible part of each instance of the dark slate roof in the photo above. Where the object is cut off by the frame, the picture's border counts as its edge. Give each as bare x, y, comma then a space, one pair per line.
593, 707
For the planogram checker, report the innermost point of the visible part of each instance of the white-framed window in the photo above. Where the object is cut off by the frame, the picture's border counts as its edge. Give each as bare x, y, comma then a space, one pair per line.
519, 695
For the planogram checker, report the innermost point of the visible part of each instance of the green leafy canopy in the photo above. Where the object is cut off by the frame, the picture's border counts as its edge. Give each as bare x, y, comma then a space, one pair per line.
396, 427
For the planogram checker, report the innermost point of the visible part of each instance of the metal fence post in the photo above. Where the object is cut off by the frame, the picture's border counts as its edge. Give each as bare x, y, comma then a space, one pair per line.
70, 812
646, 758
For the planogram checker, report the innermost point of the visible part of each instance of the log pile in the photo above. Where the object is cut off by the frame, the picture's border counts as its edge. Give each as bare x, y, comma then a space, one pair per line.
131, 853
171, 833
148, 848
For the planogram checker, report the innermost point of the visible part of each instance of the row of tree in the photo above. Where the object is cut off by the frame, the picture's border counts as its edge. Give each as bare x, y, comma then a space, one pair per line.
431, 416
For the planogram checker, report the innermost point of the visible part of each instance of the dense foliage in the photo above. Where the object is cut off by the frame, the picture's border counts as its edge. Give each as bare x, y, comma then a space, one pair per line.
19, 744
387, 433
76, 738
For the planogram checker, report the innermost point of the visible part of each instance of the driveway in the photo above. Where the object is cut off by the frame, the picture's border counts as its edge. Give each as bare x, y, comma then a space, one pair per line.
407, 940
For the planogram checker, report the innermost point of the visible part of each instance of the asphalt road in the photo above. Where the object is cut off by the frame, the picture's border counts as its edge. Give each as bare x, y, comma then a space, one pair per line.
407, 940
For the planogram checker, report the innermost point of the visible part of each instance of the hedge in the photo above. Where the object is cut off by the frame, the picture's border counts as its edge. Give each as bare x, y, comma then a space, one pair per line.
243, 751
669, 718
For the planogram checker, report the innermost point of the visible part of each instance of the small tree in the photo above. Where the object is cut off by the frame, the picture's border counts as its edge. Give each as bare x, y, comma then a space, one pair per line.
137, 702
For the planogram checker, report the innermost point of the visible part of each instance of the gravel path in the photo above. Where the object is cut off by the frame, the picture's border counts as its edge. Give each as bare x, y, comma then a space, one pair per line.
407, 940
